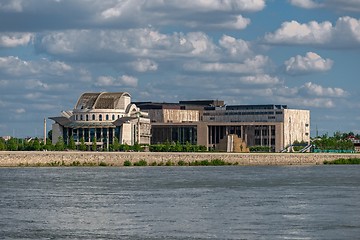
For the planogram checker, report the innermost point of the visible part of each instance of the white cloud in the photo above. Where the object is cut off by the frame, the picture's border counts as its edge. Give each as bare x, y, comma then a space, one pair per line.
262, 79
14, 66
128, 80
104, 81
3, 83
15, 39
251, 65
144, 65
297, 33
136, 42
211, 5
20, 110
314, 102
338, 5
32, 95
345, 33
235, 47
11, 5
237, 22
124, 80
309, 4
312, 62
36, 84
320, 91
125, 14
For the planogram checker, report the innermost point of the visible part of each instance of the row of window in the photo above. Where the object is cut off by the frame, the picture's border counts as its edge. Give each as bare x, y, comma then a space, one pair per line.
86, 117
241, 113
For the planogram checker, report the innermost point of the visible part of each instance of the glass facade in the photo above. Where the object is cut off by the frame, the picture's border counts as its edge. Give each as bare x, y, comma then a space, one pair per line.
181, 134
88, 134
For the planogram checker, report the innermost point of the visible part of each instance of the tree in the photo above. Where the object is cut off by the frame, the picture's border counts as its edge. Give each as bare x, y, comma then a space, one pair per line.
36, 145
2, 144
60, 146
71, 144
82, 146
94, 145
12, 144
115, 145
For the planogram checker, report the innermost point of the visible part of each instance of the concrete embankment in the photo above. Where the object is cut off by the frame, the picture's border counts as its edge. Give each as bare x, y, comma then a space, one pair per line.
11, 159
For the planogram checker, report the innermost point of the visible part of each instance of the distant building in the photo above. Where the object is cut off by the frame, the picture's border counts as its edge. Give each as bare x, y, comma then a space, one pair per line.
356, 143
103, 116
6, 138
206, 122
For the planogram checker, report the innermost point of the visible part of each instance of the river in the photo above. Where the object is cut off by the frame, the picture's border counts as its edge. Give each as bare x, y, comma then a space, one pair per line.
230, 202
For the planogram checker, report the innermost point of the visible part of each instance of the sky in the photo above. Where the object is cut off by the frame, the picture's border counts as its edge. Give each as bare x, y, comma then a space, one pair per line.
300, 53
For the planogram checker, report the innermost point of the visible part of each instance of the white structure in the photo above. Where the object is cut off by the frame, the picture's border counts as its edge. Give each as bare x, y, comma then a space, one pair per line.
103, 116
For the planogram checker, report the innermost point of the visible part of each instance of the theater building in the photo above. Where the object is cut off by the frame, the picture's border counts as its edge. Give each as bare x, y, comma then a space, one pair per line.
207, 122
102, 117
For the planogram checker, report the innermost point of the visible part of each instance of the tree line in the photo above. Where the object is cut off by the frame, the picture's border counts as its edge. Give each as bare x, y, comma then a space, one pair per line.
15, 144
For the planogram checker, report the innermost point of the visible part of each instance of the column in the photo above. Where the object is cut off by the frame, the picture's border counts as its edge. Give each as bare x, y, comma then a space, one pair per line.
107, 138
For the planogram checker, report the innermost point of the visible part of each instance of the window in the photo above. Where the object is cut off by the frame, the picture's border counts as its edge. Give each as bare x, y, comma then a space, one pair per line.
81, 117
100, 117
107, 117
93, 117
75, 117
113, 117
87, 117
118, 116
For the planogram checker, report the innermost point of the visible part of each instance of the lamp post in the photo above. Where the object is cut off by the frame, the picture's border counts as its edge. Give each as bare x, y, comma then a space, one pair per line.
44, 131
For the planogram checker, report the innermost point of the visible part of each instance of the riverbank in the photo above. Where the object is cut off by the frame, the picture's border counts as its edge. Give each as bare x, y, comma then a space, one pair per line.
68, 158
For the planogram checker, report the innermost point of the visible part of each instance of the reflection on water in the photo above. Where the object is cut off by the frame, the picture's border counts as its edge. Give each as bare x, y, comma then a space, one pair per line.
315, 202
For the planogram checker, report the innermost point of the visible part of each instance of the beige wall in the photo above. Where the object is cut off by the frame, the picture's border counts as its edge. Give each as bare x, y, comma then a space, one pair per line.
173, 115
126, 134
296, 126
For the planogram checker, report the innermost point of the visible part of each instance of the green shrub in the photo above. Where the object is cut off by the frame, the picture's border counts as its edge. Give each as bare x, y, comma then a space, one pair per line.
204, 163
344, 161
181, 163
141, 163
260, 149
217, 162
103, 164
75, 163
195, 163
169, 163
127, 163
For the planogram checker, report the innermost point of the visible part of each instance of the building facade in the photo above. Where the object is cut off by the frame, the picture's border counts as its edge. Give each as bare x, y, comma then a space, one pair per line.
207, 122
102, 117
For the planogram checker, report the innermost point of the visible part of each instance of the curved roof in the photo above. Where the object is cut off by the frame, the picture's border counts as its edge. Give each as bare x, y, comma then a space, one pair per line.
103, 100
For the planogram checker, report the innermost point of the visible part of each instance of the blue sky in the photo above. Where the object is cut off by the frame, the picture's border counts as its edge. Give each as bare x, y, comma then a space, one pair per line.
302, 53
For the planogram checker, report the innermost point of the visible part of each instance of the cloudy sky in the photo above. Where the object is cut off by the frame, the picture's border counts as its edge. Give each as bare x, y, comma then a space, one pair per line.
302, 53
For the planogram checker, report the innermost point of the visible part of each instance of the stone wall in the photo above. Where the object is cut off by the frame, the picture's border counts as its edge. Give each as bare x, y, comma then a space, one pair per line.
10, 159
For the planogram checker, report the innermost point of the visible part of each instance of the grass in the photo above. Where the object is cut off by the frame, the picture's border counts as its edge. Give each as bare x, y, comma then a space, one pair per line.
213, 162
344, 161
141, 163
63, 164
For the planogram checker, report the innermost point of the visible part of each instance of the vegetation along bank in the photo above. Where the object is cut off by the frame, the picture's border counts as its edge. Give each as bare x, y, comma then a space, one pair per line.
78, 158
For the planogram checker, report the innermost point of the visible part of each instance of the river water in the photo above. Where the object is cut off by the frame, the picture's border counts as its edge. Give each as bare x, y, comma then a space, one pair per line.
232, 202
